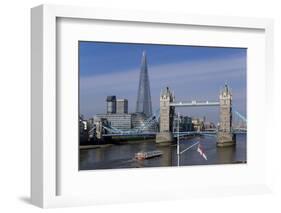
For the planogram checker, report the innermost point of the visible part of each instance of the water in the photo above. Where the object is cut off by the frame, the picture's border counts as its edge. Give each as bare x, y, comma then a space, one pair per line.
121, 156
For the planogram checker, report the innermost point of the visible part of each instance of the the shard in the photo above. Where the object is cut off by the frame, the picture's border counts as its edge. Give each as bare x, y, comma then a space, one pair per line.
144, 97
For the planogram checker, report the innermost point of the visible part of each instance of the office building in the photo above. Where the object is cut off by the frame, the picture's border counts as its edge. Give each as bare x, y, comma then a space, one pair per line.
121, 106
111, 104
119, 121
185, 123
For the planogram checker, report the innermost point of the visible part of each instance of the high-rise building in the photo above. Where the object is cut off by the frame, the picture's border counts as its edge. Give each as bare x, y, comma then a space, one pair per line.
144, 97
116, 114
111, 104
121, 106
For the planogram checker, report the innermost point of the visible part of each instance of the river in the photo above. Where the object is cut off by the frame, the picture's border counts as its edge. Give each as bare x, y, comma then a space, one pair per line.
121, 156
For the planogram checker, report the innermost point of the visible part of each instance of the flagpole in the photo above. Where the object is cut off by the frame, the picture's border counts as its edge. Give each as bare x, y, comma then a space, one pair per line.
178, 141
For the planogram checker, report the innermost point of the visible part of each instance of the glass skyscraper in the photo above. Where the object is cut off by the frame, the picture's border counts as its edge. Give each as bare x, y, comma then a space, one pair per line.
144, 97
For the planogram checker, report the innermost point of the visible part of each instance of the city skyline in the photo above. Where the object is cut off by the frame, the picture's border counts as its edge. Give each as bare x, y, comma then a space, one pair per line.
193, 73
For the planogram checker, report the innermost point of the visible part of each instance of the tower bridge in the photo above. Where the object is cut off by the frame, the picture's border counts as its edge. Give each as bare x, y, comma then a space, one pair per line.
225, 135
165, 115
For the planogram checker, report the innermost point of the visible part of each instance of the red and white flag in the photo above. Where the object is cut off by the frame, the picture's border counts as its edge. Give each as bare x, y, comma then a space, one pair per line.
201, 151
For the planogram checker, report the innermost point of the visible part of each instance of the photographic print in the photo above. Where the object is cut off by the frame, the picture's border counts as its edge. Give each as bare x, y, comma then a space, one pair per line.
155, 105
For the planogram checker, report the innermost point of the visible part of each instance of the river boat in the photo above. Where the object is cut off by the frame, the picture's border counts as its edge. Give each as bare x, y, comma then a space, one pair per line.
147, 155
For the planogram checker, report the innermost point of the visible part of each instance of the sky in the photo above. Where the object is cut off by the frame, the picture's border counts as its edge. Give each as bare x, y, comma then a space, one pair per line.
192, 72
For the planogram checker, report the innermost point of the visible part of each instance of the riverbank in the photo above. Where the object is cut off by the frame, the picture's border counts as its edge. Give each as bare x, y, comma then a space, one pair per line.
132, 141
122, 140
117, 141
81, 147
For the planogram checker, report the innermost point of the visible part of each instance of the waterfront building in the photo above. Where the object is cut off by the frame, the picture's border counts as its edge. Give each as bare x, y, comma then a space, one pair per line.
119, 121
83, 130
111, 104
209, 125
138, 121
198, 124
116, 114
144, 97
82, 124
185, 123
121, 106
90, 123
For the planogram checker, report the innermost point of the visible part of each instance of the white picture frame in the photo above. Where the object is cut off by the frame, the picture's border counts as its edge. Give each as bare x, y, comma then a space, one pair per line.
45, 168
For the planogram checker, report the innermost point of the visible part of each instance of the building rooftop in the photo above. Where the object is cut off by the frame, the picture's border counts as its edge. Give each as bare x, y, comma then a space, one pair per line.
111, 98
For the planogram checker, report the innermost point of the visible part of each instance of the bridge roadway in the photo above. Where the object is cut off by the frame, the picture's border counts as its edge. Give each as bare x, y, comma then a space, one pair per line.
195, 103
175, 133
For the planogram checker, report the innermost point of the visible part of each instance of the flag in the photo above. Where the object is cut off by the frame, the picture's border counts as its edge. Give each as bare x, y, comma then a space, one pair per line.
201, 151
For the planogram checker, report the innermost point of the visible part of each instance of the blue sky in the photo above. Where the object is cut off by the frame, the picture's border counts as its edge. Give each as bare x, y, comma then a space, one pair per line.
192, 72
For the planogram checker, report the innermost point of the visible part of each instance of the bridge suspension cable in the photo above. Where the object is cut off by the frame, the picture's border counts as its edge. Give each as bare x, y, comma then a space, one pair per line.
149, 122
240, 116
154, 119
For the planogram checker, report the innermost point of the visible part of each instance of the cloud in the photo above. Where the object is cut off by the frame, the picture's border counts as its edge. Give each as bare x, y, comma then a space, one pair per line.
200, 80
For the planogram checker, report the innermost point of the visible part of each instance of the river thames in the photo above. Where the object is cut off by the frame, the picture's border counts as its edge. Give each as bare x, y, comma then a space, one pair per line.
122, 155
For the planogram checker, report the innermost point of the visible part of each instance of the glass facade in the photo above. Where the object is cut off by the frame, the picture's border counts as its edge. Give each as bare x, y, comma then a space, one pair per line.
118, 121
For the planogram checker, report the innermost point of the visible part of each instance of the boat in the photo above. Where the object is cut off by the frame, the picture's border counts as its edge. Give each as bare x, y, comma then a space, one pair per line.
146, 155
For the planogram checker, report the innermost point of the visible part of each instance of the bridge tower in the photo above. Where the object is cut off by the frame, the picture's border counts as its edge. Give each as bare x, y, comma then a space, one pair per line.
225, 134
166, 117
